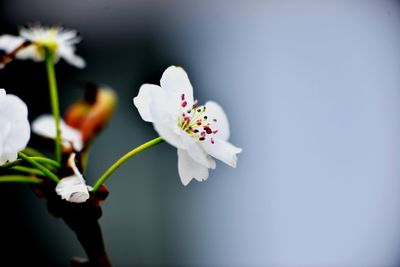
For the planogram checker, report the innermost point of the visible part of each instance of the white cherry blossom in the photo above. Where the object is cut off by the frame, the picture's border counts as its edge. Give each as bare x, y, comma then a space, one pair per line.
15, 130
33, 41
200, 133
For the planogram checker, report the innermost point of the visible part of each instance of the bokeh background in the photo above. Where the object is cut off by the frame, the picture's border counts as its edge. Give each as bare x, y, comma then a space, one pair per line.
312, 91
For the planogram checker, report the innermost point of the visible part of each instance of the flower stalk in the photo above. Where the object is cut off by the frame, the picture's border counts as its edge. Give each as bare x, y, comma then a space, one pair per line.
49, 58
19, 179
46, 161
123, 159
40, 167
27, 170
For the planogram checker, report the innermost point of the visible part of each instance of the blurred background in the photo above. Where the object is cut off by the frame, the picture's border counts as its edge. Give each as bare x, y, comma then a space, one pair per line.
312, 91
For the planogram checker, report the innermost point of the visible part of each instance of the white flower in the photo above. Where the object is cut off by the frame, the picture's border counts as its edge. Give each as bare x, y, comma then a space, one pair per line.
73, 188
198, 132
45, 126
14, 126
57, 39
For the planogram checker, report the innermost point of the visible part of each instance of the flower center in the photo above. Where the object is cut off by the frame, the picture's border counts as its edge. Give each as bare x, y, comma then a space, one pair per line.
48, 40
195, 122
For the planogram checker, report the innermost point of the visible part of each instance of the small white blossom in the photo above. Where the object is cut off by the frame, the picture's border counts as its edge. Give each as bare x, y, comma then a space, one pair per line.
57, 39
15, 131
45, 126
198, 132
73, 188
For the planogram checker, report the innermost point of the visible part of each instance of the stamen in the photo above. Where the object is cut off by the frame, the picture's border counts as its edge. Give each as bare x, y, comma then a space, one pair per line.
192, 120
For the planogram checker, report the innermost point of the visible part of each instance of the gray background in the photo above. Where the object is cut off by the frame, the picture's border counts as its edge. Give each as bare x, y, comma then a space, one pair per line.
312, 92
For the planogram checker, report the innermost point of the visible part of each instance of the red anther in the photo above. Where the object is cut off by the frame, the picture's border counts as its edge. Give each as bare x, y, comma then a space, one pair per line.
212, 141
184, 104
203, 134
207, 129
198, 123
182, 97
216, 131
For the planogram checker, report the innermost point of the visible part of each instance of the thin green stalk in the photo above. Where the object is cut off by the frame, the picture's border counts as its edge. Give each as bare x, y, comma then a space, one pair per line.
54, 101
11, 164
123, 159
44, 160
39, 166
32, 152
27, 170
47, 161
19, 179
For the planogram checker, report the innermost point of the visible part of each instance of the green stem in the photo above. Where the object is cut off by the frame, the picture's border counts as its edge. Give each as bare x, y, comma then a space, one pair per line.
54, 101
19, 179
27, 170
32, 152
44, 160
11, 164
39, 166
123, 159
47, 161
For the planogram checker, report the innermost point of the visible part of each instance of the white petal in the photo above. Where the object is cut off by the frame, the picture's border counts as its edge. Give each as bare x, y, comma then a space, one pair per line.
69, 37
68, 53
154, 106
151, 95
196, 152
72, 189
45, 126
30, 52
218, 120
166, 126
15, 111
223, 151
8, 157
9, 43
176, 83
14, 126
189, 169
169, 136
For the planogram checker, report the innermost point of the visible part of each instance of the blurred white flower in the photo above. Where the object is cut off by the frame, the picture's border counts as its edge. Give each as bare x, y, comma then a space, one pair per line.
14, 126
73, 188
198, 132
45, 126
33, 41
